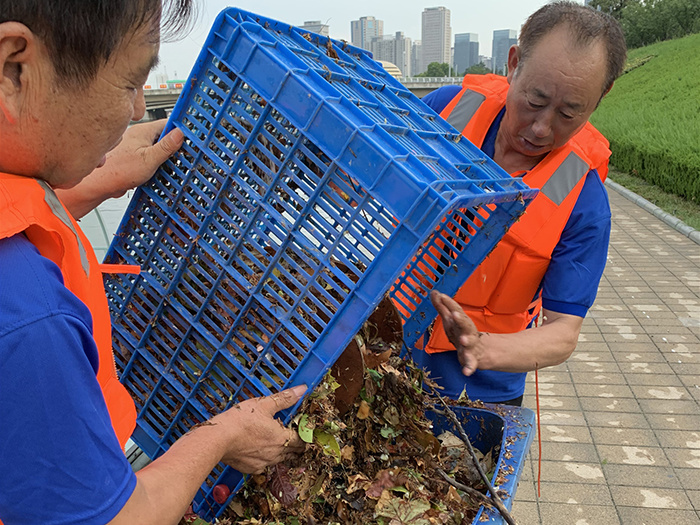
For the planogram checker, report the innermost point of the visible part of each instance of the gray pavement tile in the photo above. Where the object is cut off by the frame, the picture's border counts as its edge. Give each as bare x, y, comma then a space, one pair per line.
596, 378
526, 491
694, 497
640, 476
561, 417
633, 348
647, 498
592, 366
573, 452
640, 516
640, 437
660, 392
604, 391
526, 512
684, 457
647, 366
673, 338
621, 338
679, 438
662, 406
550, 403
549, 375
685, 368
564, 434
616, 420
574, 494
591, 338
609, 407
573, 472
623, 327
565, 514
674, 421
556, 389
590, 347
632, 455
642, 379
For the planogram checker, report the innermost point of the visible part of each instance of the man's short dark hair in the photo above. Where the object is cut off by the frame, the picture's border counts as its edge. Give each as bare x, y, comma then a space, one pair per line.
585, 26
81, 35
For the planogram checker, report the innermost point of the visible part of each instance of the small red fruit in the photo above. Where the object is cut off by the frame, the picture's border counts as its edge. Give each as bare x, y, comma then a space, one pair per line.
221, 493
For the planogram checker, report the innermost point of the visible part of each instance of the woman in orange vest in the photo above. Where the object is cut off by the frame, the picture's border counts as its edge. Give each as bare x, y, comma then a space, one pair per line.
534, 124
70, 83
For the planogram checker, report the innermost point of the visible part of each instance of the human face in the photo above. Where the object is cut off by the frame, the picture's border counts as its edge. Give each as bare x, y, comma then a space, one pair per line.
551, 96
77, 126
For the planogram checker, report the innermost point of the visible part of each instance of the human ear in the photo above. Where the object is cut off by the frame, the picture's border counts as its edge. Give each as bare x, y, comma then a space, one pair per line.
513, 61
17, 49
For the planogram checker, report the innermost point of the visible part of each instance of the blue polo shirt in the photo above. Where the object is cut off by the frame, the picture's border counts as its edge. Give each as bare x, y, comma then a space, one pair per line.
60, 461
569, 286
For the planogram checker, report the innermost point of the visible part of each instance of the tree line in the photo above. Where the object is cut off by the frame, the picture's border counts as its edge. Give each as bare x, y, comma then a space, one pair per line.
647, 21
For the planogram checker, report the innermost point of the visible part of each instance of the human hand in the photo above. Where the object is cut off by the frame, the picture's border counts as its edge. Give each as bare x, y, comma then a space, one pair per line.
137, 157
265, 441
460, 330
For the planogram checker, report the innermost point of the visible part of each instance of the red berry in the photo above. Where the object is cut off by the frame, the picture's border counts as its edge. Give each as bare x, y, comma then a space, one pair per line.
221, 493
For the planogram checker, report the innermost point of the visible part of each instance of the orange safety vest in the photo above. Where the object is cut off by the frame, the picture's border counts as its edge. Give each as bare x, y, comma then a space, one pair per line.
503, 294
31, 206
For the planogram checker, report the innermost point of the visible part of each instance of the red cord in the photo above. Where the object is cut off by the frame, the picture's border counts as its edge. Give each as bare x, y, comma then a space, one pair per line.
539, 435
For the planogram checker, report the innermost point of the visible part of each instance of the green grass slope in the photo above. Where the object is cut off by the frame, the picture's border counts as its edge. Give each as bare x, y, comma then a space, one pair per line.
652, 116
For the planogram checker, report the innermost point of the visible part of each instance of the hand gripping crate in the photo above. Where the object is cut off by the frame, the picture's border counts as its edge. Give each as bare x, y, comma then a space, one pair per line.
310, 184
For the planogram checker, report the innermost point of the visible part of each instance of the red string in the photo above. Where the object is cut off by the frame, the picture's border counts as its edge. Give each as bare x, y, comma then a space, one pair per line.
539, 435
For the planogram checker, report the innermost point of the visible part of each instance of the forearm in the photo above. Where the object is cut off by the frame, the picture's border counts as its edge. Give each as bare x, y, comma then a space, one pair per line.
166, 487
549, 344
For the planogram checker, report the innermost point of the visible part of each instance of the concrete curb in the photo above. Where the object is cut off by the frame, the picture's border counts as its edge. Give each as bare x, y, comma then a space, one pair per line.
673, 222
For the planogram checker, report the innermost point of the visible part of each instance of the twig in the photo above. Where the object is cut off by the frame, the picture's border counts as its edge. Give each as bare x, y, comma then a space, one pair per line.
464, 488
497, 501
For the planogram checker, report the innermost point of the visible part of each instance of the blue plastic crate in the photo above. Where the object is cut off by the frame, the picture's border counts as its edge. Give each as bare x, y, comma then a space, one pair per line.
311, 184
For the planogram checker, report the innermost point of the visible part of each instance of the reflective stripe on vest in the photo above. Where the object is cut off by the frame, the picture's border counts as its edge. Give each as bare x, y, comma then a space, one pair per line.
60, 212
565, 178
465, 109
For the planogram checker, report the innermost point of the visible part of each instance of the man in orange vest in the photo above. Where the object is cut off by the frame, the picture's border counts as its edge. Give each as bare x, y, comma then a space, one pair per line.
71, 77
534, 124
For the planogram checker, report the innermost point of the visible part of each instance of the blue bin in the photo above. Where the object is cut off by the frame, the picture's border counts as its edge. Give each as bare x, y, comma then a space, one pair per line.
511, 429
310, 185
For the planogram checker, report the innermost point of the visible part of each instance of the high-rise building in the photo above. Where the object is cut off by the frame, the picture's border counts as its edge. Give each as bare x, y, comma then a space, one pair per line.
316, 26
436, 36
362, 31
466, 51
486, 61
502, 40
396, 49
417, 66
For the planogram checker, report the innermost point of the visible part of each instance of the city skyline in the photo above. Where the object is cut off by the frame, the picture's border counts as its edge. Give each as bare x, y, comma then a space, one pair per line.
481, 18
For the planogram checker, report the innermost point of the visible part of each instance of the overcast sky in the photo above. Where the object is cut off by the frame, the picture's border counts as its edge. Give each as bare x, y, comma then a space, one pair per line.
468, 16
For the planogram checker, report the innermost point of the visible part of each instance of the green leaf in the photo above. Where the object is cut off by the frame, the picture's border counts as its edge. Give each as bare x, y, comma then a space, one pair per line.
405, 511
306, 432
328, 444
388, 432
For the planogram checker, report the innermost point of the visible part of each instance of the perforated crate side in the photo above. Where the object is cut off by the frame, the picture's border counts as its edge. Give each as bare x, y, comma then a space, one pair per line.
306, 186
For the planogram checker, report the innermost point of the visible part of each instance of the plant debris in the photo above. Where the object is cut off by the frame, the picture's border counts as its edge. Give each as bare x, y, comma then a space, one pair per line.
371, 459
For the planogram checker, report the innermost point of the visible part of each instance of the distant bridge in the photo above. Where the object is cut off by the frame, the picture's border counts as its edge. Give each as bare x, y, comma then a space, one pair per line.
160, 102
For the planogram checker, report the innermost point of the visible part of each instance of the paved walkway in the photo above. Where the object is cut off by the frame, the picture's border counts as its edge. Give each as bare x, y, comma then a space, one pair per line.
620, 419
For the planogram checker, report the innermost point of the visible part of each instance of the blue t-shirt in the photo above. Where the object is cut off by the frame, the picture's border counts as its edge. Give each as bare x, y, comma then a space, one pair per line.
569, 286
60, 460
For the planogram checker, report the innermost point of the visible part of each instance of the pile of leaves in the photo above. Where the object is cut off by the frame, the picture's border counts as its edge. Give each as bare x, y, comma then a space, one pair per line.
379, 463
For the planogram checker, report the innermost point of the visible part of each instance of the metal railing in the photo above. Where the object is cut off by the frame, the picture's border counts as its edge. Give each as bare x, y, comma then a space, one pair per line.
430, 80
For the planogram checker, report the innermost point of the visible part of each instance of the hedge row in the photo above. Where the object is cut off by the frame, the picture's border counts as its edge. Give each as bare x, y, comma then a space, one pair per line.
652, 116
